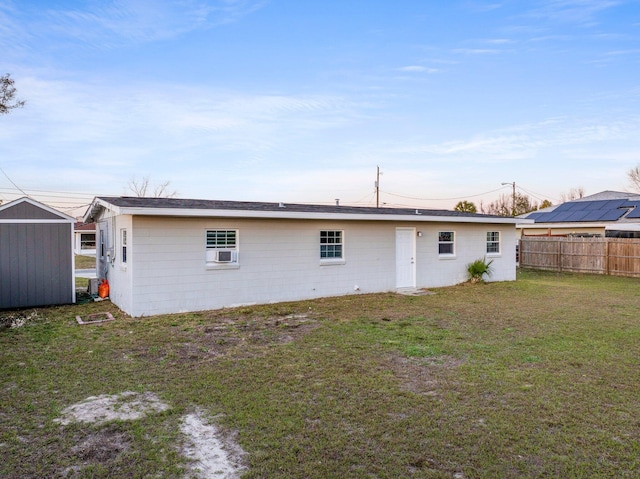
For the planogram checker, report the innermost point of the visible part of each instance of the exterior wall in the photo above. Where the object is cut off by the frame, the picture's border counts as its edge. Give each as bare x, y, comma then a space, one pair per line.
279, 260
109, 264
36, 264
470, 244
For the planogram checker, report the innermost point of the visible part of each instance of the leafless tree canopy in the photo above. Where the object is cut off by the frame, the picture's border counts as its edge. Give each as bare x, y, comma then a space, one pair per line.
504, 205
8, 99
573, 194
634, 177
142, 188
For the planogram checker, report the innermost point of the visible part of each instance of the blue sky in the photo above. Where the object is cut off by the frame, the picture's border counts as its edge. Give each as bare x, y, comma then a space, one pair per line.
299, 101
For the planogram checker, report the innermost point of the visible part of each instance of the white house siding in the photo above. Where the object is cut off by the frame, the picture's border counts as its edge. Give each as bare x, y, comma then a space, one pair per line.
110, 266
279, 260
470, 245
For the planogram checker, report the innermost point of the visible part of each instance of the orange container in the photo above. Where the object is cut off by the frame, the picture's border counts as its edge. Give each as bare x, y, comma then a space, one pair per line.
103, 289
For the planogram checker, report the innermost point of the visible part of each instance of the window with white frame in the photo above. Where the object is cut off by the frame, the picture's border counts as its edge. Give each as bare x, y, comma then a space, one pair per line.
123, 245
331, 245
87, 241
222, 246
493, 242
446, 244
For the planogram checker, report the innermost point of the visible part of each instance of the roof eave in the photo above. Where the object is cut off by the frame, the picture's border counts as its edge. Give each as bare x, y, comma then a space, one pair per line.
220, 213
95, 208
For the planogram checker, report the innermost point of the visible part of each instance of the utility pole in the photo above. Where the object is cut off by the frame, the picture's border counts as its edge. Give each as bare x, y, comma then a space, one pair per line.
377, 185
513, 197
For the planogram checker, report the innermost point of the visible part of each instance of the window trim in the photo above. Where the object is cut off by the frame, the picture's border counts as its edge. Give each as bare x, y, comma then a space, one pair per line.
123, 246
225, 245
498, 243
102, 244
452, 254
87, 244
332, 260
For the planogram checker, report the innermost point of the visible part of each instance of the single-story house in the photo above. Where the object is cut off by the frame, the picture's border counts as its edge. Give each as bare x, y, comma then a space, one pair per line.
36, 255
169, 255
84, 238
593, 215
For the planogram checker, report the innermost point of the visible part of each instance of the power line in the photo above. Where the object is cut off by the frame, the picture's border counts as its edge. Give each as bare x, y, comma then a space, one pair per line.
441, 199
11, 181
538, 196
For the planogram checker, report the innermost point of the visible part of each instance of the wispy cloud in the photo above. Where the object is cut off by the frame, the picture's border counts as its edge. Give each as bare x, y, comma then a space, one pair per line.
418, 69
117, 22
582, 12
160, 123
528, 141
478, 51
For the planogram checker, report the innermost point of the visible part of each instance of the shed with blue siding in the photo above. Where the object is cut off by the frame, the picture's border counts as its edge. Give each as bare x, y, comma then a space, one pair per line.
36, 255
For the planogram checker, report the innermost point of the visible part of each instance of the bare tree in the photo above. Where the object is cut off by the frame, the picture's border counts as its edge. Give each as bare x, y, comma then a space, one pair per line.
505, 206
573, 194
634, 177
8, 99
142, 189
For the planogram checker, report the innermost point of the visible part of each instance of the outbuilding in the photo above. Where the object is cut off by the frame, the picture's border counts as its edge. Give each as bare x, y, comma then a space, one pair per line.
170, 255
36, 255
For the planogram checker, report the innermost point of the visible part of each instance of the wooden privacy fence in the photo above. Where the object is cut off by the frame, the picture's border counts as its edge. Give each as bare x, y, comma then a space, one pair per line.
613, 256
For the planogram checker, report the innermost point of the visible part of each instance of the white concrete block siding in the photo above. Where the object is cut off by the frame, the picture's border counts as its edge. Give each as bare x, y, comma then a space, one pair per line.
279, 260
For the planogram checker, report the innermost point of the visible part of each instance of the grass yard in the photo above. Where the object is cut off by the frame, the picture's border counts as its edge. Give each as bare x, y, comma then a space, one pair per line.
534, 378
85, 262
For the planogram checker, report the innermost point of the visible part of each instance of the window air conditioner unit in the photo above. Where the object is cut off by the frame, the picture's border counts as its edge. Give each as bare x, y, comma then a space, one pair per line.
224, 256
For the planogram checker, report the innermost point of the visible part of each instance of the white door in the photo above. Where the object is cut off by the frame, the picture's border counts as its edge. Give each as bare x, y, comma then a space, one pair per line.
405, 258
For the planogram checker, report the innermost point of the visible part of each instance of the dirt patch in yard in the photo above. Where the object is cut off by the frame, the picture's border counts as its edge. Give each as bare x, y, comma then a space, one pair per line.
126, 406
211, 454
425, 376
101, 446
238, 338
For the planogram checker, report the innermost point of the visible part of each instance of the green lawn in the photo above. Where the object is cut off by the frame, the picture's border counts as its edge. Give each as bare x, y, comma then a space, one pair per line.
534, 378
85, 262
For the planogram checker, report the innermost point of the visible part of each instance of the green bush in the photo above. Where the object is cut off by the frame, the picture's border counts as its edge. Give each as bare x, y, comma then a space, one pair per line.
478, 269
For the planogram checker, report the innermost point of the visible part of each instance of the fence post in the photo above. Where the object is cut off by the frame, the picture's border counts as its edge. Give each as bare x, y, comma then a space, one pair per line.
606, 256
559, 243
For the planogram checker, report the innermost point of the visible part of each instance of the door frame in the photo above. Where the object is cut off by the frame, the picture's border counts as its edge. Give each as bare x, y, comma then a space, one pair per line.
410, 266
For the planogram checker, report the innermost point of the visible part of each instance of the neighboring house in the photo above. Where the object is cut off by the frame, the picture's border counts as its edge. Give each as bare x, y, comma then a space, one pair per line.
36, 255
589, 216
168, 255
84, 239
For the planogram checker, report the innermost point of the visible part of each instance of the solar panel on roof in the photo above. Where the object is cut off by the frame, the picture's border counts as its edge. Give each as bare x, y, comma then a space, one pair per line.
620, 203
612, 215
635, 213
575, 206
581, 215
598, 205
561, 216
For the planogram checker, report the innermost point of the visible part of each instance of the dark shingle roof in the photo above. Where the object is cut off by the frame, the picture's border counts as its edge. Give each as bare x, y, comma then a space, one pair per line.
195, 204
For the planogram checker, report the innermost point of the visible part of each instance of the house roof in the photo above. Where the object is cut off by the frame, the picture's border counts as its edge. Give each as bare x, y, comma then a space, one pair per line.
604, 207
80, 226
247, 209
29, 210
